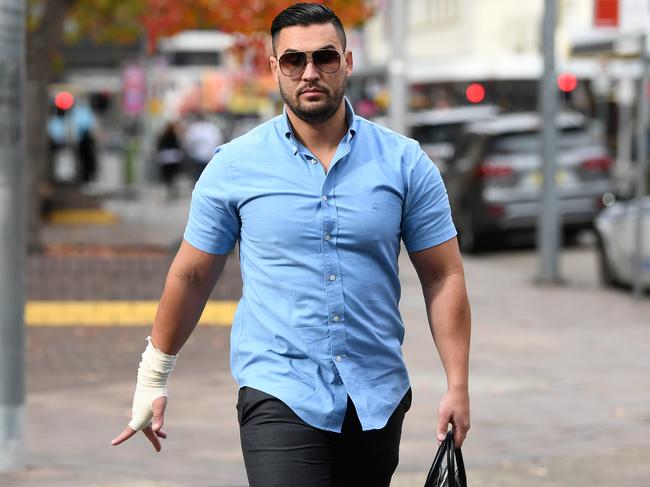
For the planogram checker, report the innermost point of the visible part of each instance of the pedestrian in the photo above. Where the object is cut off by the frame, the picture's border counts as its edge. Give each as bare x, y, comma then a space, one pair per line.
319, 200
170, 158
200, 140
87, 156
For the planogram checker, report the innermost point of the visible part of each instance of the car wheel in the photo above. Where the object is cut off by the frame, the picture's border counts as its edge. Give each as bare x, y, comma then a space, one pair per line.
571, 237
605, 270
469, 240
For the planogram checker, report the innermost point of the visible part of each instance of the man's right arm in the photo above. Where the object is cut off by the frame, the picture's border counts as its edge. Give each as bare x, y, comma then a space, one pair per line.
190, 281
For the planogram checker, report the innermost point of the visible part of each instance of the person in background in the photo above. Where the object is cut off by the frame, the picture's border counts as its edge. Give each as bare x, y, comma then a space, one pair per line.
319, 201
200, 140
84, 125
170, 158
87, 156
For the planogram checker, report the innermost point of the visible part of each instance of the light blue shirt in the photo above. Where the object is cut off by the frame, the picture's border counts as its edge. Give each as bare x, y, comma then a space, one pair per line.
318, 319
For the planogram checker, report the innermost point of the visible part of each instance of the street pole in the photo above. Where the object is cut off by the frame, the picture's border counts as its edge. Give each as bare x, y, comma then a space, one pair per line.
622, 170
642, 167
397, 67
12, 233
548, 228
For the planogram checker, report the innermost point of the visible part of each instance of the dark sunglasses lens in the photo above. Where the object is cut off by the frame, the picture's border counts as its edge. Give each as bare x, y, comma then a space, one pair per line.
292, 62
327, 60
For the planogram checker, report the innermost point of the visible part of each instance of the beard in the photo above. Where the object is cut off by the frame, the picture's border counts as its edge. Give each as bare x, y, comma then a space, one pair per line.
315, 112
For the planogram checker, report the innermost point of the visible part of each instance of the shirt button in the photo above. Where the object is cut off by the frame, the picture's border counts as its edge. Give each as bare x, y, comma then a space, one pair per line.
314, 161
338, 358
332, 277
324, 198
328, 237
336, 318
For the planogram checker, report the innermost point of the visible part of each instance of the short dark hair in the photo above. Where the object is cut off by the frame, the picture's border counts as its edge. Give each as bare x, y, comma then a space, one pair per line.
306, 14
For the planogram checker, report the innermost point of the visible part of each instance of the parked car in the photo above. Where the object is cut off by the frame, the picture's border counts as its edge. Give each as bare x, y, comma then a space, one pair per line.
438, 129
495, 178
616, 233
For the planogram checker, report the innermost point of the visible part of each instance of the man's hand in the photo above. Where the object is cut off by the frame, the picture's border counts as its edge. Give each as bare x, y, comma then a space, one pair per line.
454, 409
153, 431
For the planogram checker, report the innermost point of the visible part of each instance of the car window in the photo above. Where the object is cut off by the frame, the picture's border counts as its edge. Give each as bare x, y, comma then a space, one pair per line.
435, 134
475, 147
462, 145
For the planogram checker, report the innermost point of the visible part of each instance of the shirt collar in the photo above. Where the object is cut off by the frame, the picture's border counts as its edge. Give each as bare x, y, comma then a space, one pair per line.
350, 116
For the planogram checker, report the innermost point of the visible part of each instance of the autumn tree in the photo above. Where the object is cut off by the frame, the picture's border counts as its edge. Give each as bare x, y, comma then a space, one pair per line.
120, 21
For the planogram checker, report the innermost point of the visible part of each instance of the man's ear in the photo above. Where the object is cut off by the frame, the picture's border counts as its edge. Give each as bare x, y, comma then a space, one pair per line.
349, 62
273, 61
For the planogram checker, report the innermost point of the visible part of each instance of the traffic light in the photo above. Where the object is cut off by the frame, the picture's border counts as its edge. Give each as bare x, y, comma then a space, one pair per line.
567, 82
64, 100
475, 93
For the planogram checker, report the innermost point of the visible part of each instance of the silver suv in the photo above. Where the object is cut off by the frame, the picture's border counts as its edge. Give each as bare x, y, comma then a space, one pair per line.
495, 177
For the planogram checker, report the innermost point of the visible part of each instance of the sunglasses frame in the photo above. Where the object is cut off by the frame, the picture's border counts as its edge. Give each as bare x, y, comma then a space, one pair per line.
309, 58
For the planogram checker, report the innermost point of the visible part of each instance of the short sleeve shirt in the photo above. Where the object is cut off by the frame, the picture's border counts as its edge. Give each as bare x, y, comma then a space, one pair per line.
318, 320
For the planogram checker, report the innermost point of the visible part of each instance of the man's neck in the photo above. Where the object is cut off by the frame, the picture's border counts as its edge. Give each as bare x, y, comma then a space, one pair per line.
323, 136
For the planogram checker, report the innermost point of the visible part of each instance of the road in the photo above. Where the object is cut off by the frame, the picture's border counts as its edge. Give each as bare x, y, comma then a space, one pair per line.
559, 383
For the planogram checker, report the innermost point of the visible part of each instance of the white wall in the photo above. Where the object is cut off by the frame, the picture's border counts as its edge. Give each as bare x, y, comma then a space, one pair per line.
462, 39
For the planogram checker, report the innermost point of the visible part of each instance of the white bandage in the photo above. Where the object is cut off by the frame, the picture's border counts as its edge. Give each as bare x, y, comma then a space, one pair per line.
153, 372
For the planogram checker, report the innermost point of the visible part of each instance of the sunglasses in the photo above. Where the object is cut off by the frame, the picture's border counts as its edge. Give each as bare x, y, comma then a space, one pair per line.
326, 61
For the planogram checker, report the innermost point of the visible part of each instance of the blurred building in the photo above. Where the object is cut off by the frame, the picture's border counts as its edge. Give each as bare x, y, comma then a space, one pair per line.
452, 43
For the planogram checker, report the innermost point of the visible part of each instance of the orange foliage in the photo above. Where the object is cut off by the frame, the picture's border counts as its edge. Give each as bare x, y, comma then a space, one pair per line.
248, 17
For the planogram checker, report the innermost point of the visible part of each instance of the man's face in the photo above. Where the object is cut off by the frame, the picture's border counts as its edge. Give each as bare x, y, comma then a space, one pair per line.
314, 96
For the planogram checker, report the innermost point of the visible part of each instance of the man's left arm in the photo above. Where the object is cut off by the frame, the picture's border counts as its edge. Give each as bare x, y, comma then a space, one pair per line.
441, 274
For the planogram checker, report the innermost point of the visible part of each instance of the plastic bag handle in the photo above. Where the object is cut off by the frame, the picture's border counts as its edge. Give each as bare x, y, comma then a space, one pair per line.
451, 464
455, 456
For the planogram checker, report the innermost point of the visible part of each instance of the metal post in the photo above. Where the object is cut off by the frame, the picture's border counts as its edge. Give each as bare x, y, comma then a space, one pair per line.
12, 233
397, 67
548, 228
642, 167
623, 171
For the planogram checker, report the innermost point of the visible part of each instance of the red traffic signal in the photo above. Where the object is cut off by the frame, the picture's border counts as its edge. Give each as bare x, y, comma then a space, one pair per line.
475, 93
64, 100
567, 82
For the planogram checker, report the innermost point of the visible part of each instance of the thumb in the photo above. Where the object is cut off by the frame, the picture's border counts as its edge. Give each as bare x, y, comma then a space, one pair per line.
443, 424
158, 407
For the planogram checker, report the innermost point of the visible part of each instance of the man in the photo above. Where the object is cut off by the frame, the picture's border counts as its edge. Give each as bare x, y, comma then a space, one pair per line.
318, 199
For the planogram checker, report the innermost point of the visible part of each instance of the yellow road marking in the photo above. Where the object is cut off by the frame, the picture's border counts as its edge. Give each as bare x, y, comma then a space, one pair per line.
82, 217
115, 313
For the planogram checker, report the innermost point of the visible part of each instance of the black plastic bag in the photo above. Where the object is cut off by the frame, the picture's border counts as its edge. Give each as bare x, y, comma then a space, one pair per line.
448, 468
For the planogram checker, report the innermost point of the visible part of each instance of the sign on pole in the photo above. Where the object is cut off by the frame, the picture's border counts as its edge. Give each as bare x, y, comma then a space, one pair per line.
606, 13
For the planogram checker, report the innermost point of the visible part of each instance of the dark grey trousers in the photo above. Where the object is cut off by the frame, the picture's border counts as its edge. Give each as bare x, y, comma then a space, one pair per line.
281, 450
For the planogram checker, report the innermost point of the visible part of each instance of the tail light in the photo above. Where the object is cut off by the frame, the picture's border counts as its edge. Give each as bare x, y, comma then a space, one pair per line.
597, 164
493, 170
496, 211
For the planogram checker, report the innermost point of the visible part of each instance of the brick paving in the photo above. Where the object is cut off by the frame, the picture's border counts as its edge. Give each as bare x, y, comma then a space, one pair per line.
92, 274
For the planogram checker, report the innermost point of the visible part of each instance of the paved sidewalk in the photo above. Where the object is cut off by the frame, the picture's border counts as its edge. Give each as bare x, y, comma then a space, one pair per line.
560, 384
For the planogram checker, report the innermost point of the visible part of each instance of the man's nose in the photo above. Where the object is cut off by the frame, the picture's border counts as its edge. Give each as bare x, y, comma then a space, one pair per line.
310, 72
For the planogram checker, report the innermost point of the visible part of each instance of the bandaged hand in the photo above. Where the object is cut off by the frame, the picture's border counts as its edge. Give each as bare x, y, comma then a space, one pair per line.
150, 396
153, 373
